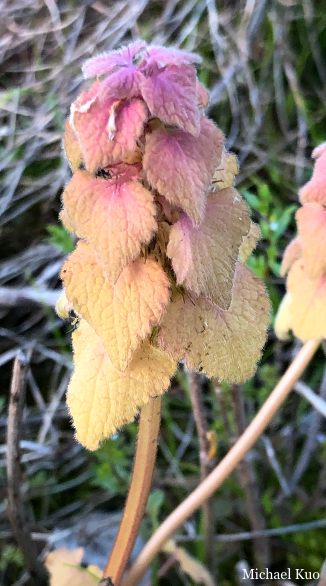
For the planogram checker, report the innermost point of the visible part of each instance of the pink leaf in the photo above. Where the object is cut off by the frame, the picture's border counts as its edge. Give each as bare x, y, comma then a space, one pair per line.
204, 257
311, 220
181, 166
115, 219
122, 122
315, 189
123, 83
108, 62
171, 96
168, 56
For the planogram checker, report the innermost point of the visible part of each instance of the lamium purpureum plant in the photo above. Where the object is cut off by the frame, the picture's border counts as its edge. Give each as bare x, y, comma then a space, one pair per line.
158, 274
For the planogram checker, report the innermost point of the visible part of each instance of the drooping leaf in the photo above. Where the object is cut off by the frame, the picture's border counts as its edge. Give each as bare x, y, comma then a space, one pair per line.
122, 315
222, 343
171, 96
315, 189
204, 256
108, 129
308, 303
226, 171
249, 242
292, 253
72, 147
101, 398
311, 220
181, 166
115, 219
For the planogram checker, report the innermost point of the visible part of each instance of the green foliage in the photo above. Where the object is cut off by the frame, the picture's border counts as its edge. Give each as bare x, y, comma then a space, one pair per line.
60, 238
11, 555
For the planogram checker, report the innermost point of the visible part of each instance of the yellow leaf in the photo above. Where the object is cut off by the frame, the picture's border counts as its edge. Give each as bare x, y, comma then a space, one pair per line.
189, 565
101, 398
122, 315
308, 303
221, 343
249, 242
283, 318
59, 564
226, 171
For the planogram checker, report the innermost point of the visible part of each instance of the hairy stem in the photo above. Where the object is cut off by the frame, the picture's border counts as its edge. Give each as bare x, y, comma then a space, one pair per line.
205, 465
226, 466
149, 427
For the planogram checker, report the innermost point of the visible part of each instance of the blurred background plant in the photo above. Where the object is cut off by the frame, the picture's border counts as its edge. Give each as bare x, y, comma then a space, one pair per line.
264, 64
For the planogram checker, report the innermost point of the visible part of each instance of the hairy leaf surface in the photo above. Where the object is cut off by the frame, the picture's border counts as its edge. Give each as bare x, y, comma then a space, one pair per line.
181, 166
108, 129
204, 256
101, 398
171, 96
221, 343
122, 315
115, 219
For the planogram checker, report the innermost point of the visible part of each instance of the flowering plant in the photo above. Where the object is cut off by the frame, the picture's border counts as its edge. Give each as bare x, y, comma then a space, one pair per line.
159, 272
303, 308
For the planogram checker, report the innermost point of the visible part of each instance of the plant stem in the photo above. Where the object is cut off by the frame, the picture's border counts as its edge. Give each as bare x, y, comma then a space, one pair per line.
226, 466
148, 432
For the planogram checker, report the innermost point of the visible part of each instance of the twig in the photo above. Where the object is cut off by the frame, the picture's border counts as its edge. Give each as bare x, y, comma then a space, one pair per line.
205, 465
249, 483
16, 510
11, 296
226, 466
149, 428
318, 403
311, 440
